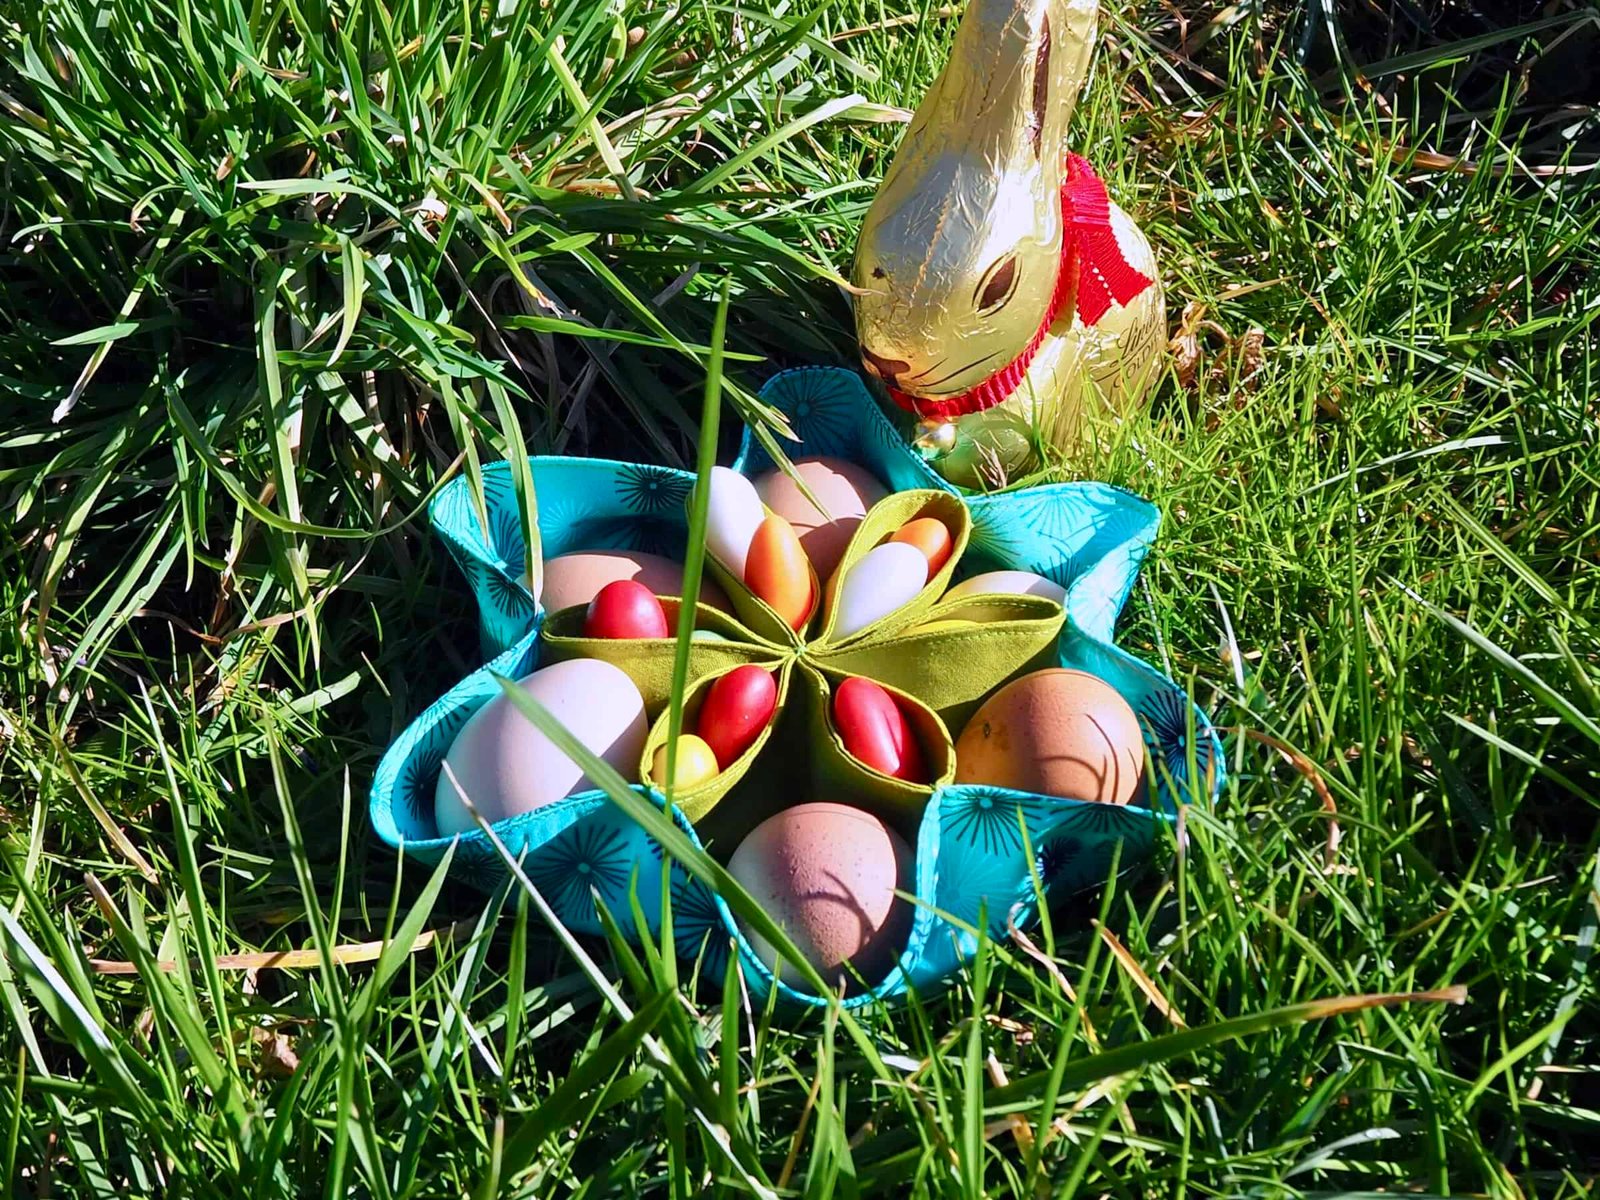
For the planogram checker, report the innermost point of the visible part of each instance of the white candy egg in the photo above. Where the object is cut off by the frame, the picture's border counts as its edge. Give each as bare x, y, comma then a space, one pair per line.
882, 580
1008, 583
732, 515
508, 767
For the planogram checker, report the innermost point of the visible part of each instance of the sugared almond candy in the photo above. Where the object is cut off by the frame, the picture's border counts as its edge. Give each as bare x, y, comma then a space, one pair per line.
777, 571
696, 763
875, 730
929, 535
737, 707
882, 580
625, 608
733, 513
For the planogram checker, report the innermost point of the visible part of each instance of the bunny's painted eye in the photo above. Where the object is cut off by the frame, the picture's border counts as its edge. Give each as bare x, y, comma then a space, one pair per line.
998, 284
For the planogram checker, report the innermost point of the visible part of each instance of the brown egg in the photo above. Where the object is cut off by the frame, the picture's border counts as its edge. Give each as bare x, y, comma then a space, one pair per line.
827, 874
1058, 733
575, 578
844, 489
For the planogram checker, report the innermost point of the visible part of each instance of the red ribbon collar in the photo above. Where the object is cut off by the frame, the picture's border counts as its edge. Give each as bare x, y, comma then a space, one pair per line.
1092, 266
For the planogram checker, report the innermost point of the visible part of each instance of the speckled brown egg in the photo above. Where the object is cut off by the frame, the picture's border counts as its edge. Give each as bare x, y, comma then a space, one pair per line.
827, 874
845, 490
575, 578
1057, 733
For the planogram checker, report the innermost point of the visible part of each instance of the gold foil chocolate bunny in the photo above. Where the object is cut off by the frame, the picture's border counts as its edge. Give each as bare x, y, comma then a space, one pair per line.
1001, 292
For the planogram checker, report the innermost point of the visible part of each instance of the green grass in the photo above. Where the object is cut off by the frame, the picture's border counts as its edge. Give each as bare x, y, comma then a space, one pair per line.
297, 305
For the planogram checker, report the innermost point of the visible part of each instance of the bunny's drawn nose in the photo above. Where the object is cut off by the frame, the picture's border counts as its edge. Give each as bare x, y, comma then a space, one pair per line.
885, 369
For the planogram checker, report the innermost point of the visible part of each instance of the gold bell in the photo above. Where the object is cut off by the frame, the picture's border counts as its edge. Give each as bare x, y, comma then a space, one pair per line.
934, 438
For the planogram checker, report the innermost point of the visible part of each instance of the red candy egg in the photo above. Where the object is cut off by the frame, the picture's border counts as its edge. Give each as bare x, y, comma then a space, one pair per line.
875, 731
625, 609
737, 707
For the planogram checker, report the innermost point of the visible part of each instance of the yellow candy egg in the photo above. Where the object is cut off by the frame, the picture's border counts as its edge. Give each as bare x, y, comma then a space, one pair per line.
696, 764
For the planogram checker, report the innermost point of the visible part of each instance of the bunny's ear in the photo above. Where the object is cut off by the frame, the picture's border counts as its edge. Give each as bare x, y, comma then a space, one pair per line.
1041, 90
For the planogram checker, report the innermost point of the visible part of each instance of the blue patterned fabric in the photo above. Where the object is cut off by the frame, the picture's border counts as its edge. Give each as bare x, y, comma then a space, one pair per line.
982, 853
584, 504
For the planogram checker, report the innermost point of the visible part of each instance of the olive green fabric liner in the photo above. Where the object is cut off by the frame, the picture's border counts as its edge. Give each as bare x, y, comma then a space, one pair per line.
1014, 632
649, 661
951, 670
698, 800
939, 677
695, 802
884, 519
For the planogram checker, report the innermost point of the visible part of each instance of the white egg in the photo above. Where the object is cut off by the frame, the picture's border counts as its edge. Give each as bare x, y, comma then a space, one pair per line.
1008, 583
883, 579
732, 515
508, 767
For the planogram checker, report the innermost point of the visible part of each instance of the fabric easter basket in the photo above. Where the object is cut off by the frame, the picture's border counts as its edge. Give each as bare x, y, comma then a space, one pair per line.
981, 853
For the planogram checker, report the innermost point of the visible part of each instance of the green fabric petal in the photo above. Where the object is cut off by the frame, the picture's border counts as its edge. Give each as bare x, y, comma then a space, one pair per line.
950, 669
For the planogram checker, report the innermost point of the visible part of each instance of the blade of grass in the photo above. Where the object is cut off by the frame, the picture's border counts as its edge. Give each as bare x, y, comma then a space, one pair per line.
216, 1072
189, 877
699, 513
119, 837
353, 271
13, 1137
1515, 667
792, 129
154, 262
522, 486
69, 1015
1132, 1057
590, 122
603, 985
972, 1140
